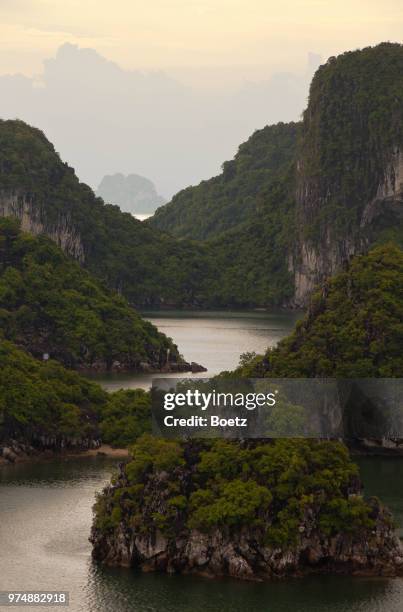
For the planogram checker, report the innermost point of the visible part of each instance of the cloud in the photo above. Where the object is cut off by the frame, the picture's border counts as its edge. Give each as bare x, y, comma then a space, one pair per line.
105, 119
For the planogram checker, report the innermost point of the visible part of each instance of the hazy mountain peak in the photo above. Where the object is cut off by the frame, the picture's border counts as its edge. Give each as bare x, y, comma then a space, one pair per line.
132, 193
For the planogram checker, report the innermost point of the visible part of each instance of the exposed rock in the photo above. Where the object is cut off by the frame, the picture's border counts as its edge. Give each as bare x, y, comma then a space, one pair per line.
9, 455
15, 203
349, 171
243, 555
183, 367
239, 552
196, 367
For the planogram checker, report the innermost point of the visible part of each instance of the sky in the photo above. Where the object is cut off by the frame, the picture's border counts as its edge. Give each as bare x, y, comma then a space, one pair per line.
170, 88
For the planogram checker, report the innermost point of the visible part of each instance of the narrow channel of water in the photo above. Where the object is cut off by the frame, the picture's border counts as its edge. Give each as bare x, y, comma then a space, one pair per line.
215, 339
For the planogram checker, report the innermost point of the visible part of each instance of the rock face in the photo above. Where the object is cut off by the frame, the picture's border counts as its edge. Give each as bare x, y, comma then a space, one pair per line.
349, 171
15, 203
242, 556
16, 451
126, 538
317, 261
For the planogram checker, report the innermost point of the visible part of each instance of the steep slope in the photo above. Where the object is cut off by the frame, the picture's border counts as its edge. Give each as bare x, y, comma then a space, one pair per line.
44, 406
353, 329
290, 210
245, 266
246, 214
231, 198
148, 267
48, 304
350, 162
251, 259
344, 180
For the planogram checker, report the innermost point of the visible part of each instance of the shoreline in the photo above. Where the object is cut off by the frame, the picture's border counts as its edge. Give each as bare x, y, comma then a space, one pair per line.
105, 450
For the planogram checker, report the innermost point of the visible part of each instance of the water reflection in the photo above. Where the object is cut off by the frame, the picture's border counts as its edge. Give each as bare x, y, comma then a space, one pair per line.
123, 591
45, 519
215, 339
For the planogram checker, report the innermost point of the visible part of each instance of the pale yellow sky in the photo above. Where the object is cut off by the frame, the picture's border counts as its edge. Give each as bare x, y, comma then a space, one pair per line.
193, 33
221, 63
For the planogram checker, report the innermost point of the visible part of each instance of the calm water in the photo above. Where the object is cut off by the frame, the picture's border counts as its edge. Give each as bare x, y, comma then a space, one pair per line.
45, 513
45, 518
214, 339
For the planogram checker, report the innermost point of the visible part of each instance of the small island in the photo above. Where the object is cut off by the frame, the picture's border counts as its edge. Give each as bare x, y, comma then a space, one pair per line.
250, 510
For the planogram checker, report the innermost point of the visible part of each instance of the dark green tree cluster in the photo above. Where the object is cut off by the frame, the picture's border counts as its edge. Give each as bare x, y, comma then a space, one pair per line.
44, 400
267, 487
353, 329
125, 417
235, 195
49, 304
350, 135
251, 259
47, 405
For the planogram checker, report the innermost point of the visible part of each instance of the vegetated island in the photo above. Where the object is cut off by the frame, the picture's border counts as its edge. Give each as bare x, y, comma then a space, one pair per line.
48, 410
52, 307
251, 510
265, 509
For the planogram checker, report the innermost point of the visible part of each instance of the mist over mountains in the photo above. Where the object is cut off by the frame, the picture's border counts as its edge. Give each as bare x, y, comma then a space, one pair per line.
104, 119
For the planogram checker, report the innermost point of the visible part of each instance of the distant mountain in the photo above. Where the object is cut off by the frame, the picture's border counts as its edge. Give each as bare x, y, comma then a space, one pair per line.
147, 267
132, 193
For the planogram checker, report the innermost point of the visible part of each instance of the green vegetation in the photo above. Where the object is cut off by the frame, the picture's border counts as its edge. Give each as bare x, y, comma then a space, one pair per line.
235, 235
44, 404
44, 400
125, 417
148, 267
49, 304
246, 217
251, 259
354, 328
317, 184
352, 127
267, 487
236, 195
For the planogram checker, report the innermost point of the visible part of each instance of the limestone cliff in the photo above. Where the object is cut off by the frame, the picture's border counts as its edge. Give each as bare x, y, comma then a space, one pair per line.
129, 257
15, 203
349, 172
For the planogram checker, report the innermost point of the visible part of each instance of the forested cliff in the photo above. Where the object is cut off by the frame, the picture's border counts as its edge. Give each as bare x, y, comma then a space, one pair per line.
293, 206
339, 177
44, 193
349, 172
